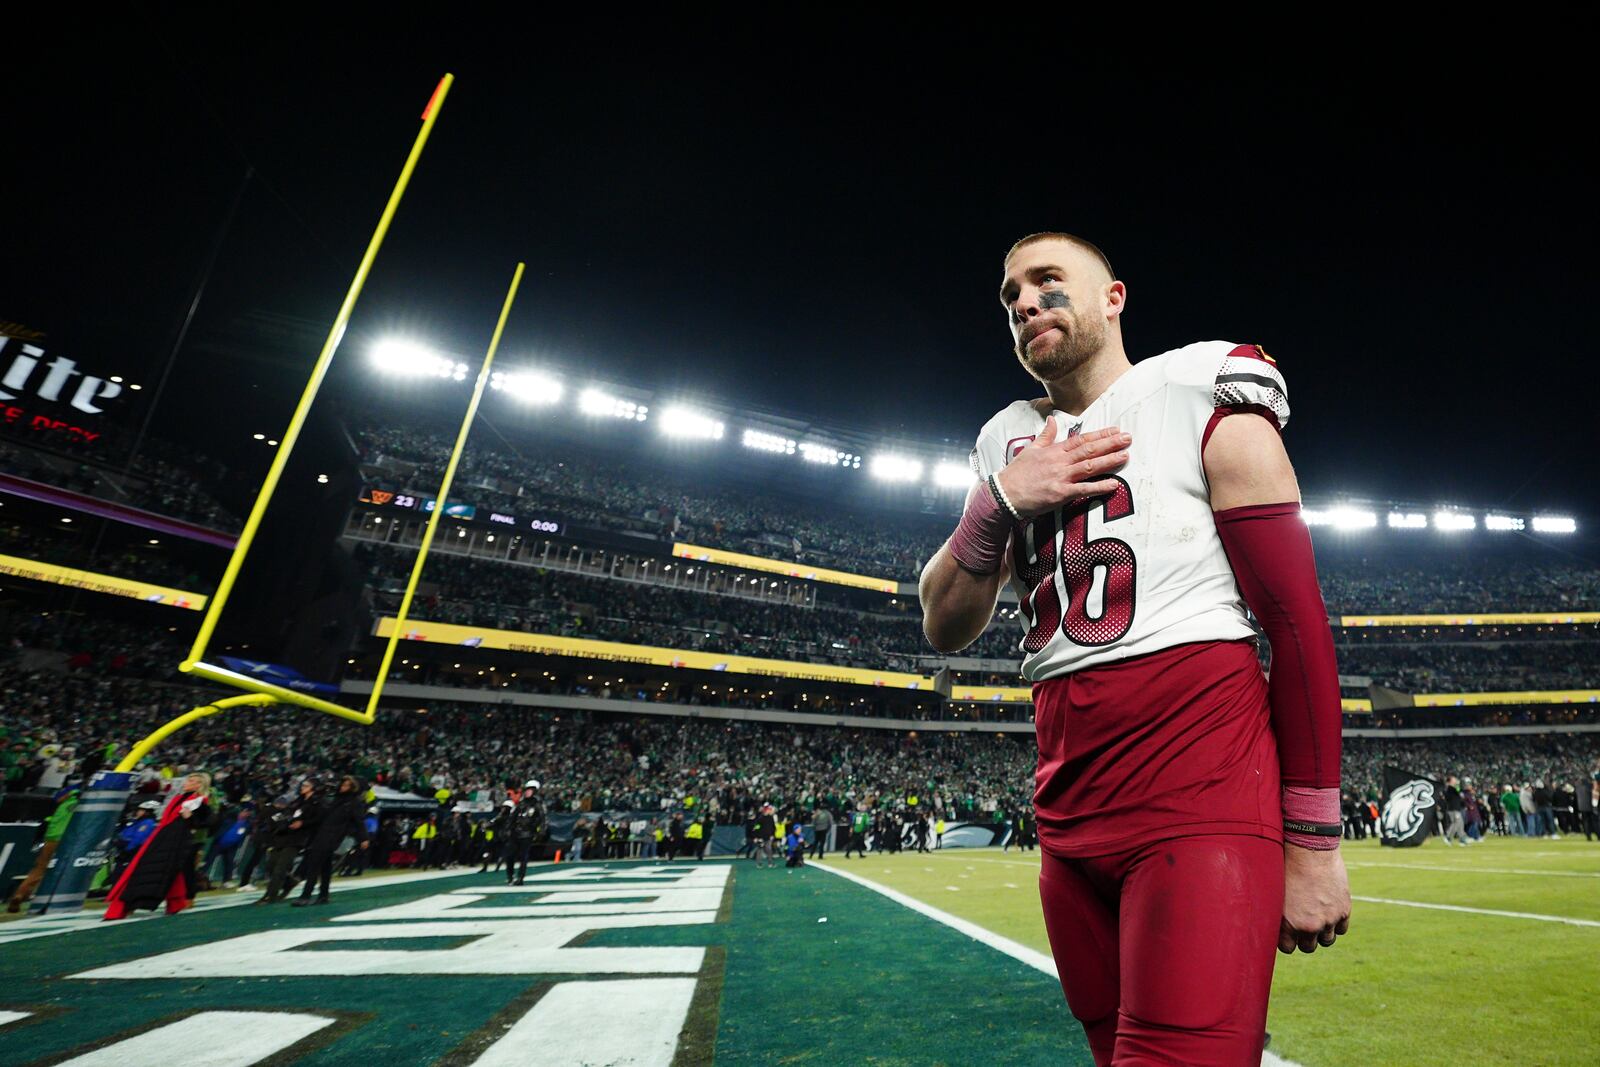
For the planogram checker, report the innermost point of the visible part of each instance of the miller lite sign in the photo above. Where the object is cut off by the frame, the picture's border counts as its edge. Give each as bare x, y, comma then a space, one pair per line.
29, 373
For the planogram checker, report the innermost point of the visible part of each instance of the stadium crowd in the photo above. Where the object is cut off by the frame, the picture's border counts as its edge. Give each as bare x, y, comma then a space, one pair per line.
587, 762
509, 596
673, 502
484, 592
1383, 585
1477, 668
592, 490
604, 762
62, 720
69, 550
166, 486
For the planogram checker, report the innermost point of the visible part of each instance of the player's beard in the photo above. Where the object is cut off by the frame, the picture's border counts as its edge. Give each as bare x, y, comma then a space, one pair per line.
1077, 339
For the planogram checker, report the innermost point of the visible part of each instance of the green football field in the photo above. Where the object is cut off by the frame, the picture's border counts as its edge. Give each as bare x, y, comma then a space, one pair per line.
910, 959
1414, 982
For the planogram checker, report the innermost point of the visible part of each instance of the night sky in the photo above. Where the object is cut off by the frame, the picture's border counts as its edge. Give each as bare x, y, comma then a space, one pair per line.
817, 226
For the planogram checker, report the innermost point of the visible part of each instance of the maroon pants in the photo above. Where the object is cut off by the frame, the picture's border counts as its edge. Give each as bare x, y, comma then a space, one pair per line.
1166, 951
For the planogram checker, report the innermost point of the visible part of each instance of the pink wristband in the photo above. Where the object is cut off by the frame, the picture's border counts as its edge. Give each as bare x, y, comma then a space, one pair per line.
980, 540
1318, 807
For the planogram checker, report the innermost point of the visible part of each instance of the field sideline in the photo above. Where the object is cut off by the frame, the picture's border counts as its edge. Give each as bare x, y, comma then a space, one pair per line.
1412, 984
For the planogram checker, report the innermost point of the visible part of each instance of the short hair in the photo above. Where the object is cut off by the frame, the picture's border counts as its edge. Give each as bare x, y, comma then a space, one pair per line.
1056, 235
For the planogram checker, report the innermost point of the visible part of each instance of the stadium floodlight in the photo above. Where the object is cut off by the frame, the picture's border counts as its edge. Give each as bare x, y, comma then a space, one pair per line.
1502, 523
1407, 520
407, 359
1340, 518
813, 452
769, 442
1450, 521
1354, 519
889, 467
594, 401
530, 387
949, 475
679, 421
1557, 524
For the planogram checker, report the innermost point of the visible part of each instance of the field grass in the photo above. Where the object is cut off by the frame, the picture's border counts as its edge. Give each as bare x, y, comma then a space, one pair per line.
1408, 985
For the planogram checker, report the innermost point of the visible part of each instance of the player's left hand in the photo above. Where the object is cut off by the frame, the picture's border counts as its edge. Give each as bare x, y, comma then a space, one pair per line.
1316, 899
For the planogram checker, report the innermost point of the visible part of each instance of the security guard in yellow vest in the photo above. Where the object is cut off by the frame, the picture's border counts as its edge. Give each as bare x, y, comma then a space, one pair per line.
422, 838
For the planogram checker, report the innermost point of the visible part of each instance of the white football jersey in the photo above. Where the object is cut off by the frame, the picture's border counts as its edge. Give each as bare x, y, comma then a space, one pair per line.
1142, 568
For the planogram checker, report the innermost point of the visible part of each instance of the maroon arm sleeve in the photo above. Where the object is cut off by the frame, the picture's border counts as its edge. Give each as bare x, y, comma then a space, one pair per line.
1269, 548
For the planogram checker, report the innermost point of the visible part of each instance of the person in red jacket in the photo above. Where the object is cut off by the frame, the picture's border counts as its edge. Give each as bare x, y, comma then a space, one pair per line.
164, 867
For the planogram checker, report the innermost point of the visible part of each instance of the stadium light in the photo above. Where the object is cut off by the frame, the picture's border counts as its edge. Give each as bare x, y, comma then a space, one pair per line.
1407, 520
949, 475
678, 421
1502, 523
768, 442
1557, 524
1340, 518
531, 387
407, 359
1450, 521
892, 468
813, 452
594, 401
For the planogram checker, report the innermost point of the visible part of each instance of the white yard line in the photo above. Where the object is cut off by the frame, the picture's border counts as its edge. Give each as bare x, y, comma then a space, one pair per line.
1009, 863
1472, 870
1017, 951
1480, 911
49, 924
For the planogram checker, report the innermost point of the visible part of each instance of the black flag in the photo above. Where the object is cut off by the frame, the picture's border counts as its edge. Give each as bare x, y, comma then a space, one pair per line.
1410, 808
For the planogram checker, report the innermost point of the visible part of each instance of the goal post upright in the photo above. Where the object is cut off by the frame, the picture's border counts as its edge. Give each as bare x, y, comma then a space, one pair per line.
443, 497
259, 693
319, 371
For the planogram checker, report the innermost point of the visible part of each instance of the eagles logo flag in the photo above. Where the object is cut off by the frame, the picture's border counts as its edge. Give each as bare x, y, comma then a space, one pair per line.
1410, 808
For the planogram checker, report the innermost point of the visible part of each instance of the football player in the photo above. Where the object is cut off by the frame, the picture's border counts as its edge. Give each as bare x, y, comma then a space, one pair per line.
1187, 806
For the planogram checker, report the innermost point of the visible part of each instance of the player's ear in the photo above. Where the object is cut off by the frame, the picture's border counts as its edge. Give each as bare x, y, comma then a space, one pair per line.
1116, 296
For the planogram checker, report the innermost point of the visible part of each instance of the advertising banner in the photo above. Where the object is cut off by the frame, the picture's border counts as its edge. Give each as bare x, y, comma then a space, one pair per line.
87, 845
778, 566
101, 583
1410, 808
1526, 618
278, 674
553, 645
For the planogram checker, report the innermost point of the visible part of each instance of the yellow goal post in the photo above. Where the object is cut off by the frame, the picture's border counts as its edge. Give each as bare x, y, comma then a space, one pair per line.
257, 692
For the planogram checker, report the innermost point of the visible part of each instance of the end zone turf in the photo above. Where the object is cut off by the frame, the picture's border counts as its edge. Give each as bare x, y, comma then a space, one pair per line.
588, 960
